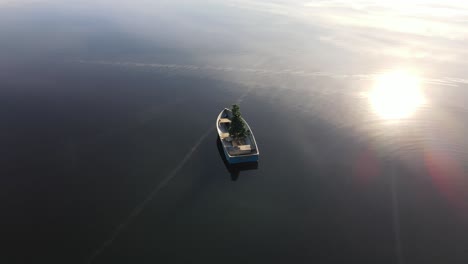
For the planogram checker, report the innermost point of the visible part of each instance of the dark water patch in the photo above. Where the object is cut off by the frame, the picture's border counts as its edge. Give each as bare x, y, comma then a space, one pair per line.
85, 150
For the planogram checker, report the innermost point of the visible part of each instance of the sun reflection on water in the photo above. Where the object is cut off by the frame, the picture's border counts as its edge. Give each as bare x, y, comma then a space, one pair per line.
396, 95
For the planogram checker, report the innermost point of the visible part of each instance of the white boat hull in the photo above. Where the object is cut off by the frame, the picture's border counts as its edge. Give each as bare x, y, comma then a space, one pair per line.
231, 157
240, 159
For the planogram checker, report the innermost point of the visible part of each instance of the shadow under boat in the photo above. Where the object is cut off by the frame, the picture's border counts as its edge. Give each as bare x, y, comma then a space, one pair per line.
234, 169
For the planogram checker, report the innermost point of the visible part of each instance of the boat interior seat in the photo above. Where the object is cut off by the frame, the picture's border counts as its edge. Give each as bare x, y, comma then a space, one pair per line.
245, 147
225, 135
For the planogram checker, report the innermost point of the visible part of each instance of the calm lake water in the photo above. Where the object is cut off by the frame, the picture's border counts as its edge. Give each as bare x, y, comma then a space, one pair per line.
109, 151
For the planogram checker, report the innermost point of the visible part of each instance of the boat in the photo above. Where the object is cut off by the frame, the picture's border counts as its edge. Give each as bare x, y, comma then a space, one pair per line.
236, 150
235, 169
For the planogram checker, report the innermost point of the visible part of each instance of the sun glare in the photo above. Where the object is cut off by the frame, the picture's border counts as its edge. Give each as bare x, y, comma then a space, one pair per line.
396, 95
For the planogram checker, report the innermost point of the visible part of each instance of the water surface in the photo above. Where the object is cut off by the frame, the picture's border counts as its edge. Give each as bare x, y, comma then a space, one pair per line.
110, 152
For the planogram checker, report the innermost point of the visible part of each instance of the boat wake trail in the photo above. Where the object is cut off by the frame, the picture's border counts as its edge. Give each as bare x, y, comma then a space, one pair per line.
443, 81
138, 209
243, 96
